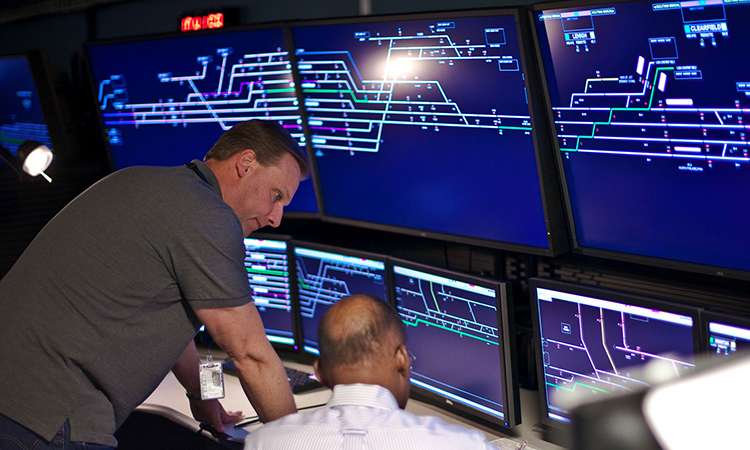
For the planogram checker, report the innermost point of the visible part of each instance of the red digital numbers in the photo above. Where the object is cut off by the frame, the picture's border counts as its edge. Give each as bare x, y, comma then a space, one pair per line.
207, 22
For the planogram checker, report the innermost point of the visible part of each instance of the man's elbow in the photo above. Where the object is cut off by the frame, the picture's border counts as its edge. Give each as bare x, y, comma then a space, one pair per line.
254, 360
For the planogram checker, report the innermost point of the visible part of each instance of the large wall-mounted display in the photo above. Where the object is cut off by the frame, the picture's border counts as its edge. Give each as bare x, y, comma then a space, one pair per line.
165, 100
424, 125
649, 105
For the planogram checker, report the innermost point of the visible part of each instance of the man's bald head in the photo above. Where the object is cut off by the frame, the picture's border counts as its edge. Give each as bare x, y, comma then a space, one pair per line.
362, 340
357, 329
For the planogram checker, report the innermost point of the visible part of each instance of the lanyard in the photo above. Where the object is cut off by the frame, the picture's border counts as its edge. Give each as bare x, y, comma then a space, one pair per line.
207, 341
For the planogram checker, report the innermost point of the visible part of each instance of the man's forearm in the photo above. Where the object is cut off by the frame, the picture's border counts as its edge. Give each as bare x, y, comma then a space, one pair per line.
266, 385
239, 332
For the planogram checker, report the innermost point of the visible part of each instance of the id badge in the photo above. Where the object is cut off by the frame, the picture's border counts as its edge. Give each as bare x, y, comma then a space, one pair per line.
212, 380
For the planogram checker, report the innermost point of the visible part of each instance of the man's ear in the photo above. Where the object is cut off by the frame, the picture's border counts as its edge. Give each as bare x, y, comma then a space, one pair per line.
318, 369
402, 359
245, 162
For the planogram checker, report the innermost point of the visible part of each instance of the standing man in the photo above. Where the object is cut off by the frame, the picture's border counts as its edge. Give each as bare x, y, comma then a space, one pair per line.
363, 358
110, 294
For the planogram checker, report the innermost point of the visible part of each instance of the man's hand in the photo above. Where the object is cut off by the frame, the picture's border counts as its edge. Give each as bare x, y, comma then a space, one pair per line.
210, 412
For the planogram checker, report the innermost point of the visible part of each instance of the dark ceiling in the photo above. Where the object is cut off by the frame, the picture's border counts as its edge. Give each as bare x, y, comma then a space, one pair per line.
13, 10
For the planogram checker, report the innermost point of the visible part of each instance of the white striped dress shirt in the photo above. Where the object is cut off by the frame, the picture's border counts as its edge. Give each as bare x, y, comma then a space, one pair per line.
359, 417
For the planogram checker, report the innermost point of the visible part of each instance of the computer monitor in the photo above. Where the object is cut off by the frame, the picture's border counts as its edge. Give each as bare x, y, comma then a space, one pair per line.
649, 107
29, 108
268, 271
594, 343
165, 100
423, 125
460, 329
725, 335
325, 275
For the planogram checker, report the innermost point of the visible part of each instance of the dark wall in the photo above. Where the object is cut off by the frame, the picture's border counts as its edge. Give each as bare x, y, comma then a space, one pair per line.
60, 35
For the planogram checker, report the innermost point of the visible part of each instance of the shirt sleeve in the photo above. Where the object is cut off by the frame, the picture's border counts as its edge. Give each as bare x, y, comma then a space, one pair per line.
207, 254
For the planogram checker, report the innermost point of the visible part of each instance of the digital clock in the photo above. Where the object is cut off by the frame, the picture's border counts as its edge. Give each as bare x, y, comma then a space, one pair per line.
204, 22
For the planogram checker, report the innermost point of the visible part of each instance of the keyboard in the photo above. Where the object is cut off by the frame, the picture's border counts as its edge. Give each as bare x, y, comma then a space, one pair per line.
299, 380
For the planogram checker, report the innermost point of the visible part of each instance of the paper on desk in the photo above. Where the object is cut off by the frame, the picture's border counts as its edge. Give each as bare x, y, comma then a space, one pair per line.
504, 443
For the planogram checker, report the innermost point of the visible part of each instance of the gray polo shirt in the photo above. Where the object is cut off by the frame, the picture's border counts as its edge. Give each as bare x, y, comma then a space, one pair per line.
99, 307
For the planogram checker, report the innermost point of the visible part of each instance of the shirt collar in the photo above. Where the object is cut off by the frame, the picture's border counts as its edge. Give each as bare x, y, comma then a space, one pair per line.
370, 395
208, 173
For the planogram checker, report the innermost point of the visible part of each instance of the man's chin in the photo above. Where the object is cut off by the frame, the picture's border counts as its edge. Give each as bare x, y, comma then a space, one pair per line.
255, 226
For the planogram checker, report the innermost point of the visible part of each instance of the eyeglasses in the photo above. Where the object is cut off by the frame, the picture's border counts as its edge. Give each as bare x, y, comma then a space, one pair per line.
412, 358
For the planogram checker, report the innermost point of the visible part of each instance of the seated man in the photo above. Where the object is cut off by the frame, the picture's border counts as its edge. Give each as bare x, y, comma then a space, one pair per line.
363, 358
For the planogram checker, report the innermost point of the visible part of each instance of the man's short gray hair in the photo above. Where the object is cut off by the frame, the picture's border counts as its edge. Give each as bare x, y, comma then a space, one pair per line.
269, 140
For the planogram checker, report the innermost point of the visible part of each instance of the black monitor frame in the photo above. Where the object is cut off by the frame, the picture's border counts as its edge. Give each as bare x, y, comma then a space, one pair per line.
305, 355
508, 374
576, 247
654, 303
294, 313
44, 77
306, 129
554, 214
89, 70
724, 318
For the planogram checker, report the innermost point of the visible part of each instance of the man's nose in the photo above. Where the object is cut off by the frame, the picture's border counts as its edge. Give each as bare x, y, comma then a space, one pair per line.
274, 218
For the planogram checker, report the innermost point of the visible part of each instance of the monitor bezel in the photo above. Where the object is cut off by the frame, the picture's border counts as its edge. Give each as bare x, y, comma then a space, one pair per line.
89, 72
507, 348
652, 302
576, 247
306, 130
278, 346
553, 210
304, 355
724, 317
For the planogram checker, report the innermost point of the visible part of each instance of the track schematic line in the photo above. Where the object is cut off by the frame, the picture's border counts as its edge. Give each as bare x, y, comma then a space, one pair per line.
604, 341
583, 341
662, 118
459, 313
348, 109
325, 287
325, 278
258, 86
432, 291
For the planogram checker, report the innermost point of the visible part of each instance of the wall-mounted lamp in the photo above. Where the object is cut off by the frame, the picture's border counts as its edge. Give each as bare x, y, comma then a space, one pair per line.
32, 158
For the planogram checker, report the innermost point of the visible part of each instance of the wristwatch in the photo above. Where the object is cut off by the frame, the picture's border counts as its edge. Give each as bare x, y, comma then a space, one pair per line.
193, 395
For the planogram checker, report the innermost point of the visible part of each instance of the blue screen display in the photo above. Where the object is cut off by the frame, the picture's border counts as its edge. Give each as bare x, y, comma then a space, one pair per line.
326, 276
21, 116
649, 102
453, 331
424, 124
166, 101
594, 346
267, 268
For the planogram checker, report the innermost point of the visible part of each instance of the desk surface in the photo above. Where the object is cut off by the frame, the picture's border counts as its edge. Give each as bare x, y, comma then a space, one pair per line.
169, 400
